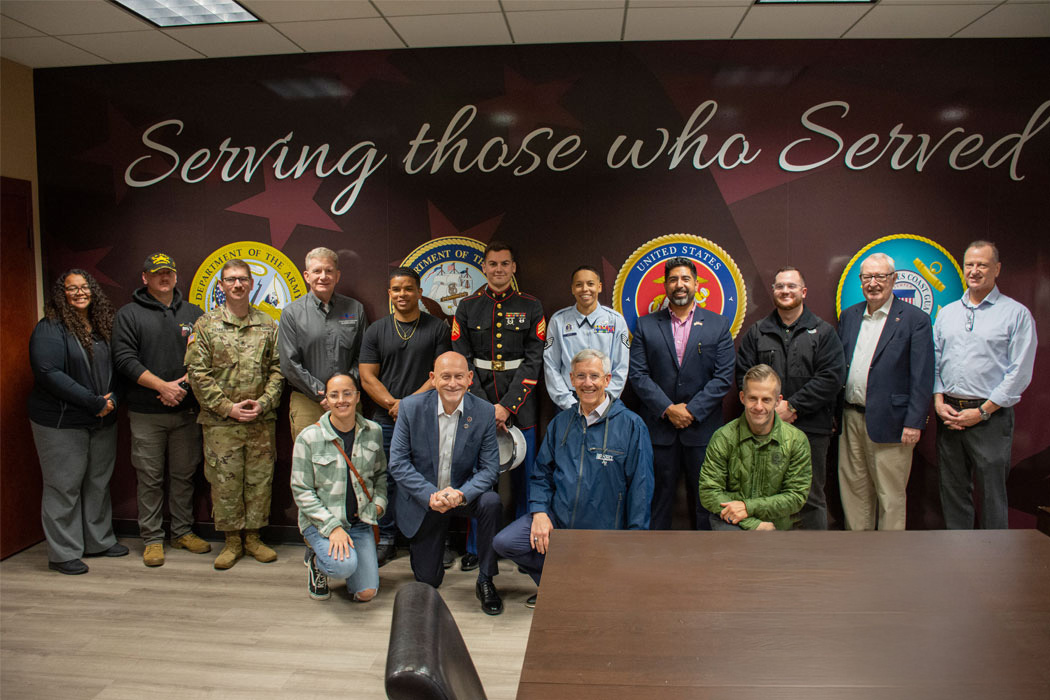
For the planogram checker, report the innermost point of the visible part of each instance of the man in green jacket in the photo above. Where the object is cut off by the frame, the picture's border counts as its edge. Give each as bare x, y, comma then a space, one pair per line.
757, 471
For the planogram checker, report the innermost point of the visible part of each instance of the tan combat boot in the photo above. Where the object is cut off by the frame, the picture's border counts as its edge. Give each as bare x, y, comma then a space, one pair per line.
191, 542
254, 546
233, 551
154, 554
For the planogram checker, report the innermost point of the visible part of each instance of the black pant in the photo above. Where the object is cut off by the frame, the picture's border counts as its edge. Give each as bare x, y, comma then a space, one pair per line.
427, 546
814, 513
668, 462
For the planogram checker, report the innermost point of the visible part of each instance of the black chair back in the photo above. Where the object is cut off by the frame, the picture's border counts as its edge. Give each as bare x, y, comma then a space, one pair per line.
426, 658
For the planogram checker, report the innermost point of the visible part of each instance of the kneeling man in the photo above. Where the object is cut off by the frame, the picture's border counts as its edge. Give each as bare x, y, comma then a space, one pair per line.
594, 470
757, 470
445, 460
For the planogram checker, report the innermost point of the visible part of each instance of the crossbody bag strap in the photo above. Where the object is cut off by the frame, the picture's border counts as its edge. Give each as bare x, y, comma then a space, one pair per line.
352, 467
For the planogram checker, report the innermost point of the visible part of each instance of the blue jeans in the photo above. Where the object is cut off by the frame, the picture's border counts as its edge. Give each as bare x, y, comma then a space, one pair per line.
388, 523
360, 568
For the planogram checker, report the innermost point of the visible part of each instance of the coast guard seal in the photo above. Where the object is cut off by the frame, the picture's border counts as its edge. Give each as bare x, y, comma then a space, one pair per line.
639, 288
927, 275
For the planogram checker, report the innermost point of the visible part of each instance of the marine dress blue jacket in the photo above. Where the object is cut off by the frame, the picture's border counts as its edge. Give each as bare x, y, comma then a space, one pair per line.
597, 477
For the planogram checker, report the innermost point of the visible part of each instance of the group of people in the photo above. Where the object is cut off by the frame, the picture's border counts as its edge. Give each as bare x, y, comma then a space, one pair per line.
209, 384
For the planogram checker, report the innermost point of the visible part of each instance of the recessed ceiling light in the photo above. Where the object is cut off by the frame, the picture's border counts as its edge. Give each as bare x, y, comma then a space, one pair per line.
177, 13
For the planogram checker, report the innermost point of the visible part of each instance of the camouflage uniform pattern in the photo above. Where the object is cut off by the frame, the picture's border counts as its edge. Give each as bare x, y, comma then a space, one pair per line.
228, 360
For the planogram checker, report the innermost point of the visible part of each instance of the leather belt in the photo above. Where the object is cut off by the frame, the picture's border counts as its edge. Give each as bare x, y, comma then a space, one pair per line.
856, 407
497, 365
963, 403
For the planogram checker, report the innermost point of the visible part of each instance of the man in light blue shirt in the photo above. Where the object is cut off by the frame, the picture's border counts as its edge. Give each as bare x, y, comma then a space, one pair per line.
985, 350
588, 324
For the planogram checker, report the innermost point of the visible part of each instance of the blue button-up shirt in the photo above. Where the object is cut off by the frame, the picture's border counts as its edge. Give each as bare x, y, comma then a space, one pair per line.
568, 332
985, 351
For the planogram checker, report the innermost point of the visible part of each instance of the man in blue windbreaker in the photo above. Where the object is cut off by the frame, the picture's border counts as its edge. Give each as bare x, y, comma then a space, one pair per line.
594, 471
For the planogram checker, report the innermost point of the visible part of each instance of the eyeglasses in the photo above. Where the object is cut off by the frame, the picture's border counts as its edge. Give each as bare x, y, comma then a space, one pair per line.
970, 315
878, 278
790, 286
336, 395
236, 280
82, 288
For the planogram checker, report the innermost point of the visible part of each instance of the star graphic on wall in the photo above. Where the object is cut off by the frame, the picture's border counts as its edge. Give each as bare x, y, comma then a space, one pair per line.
526, 105
441, 227
354, 70
60, 257
287, 204
123, 148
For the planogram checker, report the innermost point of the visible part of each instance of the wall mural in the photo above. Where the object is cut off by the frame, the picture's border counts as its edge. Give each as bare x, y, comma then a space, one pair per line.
745, 155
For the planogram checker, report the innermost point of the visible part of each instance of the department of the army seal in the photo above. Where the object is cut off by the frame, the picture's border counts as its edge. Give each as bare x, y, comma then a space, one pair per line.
927, 274
639, 288
276, 280
449, 269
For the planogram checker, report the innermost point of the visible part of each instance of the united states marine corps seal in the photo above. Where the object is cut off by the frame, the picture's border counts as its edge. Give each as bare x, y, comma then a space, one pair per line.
276, 281
927, 275
449, 270
639, 288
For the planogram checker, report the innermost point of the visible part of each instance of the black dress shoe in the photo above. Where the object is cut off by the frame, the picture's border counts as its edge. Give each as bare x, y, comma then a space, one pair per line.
449, 559
117, 550
486, 592
530, 602
386, 553
72, 567
469, 562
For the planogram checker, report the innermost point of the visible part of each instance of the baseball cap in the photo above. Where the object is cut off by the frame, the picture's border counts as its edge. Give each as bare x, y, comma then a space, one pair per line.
157, 262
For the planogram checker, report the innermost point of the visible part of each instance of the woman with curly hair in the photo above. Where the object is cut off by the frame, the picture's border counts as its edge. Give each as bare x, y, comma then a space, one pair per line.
72, 413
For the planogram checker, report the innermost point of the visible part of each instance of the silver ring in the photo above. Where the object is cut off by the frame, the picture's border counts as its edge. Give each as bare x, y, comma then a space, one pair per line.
535, 539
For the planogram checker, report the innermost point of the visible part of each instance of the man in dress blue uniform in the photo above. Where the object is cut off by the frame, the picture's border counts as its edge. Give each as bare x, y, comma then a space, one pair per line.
889, 382
682, 361
985, 349
588, 324
501, 332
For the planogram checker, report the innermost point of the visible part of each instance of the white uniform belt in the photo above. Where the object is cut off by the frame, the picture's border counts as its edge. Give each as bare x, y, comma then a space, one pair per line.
497, 365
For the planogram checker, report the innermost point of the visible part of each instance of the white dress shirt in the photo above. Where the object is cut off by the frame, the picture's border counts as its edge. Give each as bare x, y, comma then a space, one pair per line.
867, 340
447, 425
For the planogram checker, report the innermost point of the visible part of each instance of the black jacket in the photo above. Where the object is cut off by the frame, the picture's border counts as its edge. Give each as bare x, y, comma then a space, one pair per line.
68, 387
810, 363
150, 336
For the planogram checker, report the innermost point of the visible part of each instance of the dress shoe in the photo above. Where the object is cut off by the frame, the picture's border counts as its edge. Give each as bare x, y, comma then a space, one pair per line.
386, 553
449, 559
192, 543
71, 567
117, 550
154, 554
486, 592
469, 562
530, 602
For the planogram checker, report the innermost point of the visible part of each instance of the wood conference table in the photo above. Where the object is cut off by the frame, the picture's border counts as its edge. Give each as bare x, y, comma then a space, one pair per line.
829, 615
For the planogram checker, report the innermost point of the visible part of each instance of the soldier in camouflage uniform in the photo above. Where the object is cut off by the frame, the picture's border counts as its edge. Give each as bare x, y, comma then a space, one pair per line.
233, 367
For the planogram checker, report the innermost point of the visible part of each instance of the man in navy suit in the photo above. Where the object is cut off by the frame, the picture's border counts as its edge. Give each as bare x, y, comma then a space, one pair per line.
889, 383
445, 459
682, 361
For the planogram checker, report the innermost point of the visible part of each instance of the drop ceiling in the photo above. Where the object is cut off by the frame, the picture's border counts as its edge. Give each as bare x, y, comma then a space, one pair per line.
50, 33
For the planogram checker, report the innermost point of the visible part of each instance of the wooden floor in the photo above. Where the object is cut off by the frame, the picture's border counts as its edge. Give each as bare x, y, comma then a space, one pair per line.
185, 631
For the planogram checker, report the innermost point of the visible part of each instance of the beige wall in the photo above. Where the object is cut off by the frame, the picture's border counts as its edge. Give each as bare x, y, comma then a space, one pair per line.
18, 141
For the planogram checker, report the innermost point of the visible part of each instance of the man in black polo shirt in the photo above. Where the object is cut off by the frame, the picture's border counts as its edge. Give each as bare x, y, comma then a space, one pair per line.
397, 354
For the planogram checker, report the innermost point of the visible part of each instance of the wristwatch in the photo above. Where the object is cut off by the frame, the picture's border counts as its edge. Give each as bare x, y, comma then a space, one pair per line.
985, 415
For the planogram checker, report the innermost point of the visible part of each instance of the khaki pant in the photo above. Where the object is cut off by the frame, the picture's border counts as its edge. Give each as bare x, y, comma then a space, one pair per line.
177, 437
238, 463
302, 412
873, 477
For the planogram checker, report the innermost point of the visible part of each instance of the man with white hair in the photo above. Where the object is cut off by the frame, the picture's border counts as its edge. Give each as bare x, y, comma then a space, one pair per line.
594, 471
320, 336
889, 382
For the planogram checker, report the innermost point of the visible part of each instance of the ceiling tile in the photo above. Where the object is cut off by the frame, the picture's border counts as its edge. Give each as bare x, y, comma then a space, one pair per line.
46, 52
799, 21
663, 24
532, 5
72, 16
401, 8
688, 3
452, 30
941, 2
234, 40
916, 21
133, 47
10, 29
1012, 20
341, 35
553, 27
305, 10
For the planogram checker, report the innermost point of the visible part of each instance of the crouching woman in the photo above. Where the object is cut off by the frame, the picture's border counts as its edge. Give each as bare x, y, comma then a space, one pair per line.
339, 483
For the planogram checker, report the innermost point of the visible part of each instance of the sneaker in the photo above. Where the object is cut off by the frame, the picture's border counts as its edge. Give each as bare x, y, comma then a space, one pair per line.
191, 542
306, 556
316, 582
469, 562
117, 550
154, 554
71, 567
530, 602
